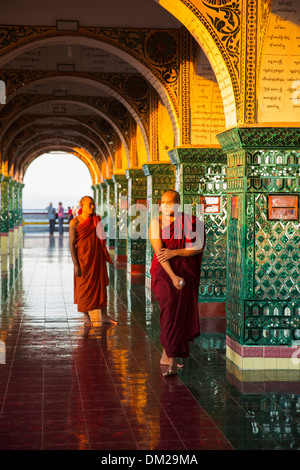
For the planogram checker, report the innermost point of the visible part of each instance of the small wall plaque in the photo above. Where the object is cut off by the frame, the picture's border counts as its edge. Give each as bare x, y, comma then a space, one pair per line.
282, 207
211, 204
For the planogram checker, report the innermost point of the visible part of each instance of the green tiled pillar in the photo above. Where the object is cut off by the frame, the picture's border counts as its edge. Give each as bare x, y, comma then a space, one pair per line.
201, 182
136, 247
99, 198
121, 205
102, 198
16, 213
20, 187
263, 270
4, 216
95, 196
160, 178
11, 211
19, 212
109, 208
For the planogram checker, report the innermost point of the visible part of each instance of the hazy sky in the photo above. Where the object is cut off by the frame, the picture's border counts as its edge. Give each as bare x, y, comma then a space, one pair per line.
55, 178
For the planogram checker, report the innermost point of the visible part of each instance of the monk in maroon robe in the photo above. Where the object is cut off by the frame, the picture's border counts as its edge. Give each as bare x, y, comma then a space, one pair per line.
89, 255
178, 241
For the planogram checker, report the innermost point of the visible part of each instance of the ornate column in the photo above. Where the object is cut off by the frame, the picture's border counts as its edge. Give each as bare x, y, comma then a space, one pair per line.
19, 211
16, 211
137, 195
99, 197
263, 274
95, 196
11, 211
121, 206
102, 198
160, 178
5, 180
109, 208
201, 183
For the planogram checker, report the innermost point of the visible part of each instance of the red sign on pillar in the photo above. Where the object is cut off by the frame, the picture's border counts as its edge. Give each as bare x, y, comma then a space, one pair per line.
282, 207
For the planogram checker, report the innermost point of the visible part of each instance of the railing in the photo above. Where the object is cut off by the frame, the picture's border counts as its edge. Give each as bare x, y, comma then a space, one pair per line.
36, 220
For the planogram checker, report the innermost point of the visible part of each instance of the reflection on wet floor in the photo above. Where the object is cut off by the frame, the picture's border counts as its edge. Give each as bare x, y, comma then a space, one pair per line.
64, 387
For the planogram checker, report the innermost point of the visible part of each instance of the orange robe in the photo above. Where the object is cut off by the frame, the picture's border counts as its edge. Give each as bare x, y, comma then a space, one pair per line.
90, 288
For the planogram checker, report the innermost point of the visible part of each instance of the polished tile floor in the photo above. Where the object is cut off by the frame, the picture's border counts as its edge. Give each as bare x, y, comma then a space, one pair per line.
63, 387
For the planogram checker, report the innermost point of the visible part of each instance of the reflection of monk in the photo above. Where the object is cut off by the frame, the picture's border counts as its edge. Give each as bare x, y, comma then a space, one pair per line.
178, 243
89, 255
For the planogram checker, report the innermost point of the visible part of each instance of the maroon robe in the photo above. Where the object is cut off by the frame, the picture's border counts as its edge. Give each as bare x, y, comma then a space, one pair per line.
179, 318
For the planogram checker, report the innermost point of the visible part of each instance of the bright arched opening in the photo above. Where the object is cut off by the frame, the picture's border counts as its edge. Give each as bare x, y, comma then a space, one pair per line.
55, 177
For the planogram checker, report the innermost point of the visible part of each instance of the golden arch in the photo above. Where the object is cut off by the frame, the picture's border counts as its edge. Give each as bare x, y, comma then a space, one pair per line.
45, 133
185, 12
57, 37
85, 105
45, 147
64, 120
96, 84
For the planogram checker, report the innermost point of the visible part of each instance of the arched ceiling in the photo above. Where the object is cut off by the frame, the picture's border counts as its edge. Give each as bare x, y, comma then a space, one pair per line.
73, 89
112, 13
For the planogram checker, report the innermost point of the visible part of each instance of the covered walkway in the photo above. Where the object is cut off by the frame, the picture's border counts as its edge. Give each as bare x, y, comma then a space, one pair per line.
62, 387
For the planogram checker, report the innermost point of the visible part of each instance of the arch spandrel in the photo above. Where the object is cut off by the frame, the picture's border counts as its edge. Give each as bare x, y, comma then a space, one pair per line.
217, 29
279, 74
207, 117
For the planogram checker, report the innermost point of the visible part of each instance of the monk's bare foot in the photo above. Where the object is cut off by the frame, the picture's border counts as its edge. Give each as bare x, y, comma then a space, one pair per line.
106, 319
165, 361
172, 370
87, 320
180, 366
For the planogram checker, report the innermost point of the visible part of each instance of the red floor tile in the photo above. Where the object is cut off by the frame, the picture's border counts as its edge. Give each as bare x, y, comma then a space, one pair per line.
63, 389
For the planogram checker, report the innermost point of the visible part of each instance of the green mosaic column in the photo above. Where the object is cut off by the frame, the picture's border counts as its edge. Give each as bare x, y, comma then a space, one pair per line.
160, 178
102, 198
11, 211
121, 205
20, 216
136, 247
19, 213
98, 198
263, 273
201, 181
16, 213
4, 213
15, 204
95, 196
109, 207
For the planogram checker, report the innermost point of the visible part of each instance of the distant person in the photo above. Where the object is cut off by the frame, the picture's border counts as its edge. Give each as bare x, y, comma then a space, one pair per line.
70, 215
51, 217
60, 216
75, 209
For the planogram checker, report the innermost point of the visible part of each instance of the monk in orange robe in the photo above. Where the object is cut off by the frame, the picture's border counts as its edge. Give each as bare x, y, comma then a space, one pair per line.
89, 255
178, 241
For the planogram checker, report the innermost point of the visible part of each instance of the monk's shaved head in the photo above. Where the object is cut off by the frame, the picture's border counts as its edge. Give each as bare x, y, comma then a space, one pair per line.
174, 194
86, 200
